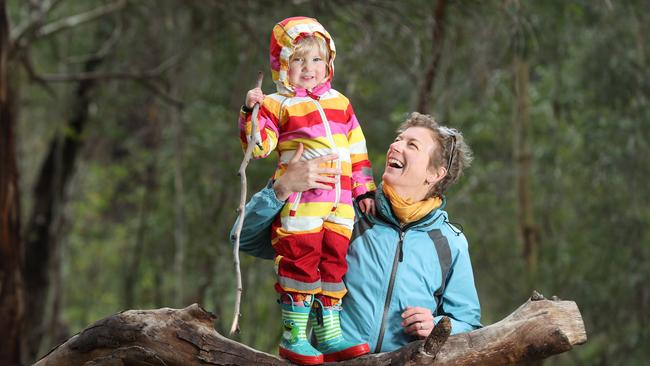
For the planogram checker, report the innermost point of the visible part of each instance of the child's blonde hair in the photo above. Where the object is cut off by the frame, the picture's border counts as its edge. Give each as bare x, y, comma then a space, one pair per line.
306, 44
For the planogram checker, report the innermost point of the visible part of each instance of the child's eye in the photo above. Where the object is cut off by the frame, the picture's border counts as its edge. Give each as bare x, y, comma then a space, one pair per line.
317, 59
297, 59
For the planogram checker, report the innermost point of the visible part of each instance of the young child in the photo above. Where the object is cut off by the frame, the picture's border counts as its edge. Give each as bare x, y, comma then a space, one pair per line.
312, 233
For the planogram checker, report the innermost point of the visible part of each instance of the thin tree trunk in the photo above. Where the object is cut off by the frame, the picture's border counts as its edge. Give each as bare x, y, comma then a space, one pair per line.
180, 235
11, 259
151, 141
424, 97
40, 235
523, 160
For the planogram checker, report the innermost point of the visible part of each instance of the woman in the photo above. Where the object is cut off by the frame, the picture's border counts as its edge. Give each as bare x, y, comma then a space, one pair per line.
407, 265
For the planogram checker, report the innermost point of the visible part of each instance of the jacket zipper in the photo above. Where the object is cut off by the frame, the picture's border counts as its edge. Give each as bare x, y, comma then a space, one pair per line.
399, 257
330, 138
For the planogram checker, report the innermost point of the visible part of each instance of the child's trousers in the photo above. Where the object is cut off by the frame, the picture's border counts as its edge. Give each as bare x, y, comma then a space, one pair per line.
311, 242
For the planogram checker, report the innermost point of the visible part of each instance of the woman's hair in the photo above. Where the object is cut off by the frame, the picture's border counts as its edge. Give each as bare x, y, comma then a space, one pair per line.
304, 44
454, 154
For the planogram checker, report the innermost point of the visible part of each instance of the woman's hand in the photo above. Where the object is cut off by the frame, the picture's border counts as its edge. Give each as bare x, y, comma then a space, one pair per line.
367, 206
254, 96
417, 321
302, 176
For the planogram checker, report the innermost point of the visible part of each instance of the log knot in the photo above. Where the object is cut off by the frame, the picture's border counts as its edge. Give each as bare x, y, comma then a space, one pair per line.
437, 337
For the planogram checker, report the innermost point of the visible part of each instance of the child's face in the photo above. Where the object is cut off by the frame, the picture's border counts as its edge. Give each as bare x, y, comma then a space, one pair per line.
307, 71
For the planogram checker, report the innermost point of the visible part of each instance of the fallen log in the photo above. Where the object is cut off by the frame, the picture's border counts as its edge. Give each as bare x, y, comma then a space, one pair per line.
536, 330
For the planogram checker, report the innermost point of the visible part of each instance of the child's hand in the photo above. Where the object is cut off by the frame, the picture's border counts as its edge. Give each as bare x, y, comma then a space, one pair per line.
254, 96
367, 206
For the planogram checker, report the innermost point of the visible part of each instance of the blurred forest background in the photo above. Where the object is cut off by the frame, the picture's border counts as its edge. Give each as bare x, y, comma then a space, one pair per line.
119, 153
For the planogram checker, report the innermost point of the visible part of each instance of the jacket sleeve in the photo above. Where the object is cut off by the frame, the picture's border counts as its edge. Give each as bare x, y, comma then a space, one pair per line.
460, 300
260, 212
362, 181
267, 131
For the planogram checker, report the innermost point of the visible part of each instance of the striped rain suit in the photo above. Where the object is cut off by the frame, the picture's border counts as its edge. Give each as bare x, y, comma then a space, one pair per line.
312, 232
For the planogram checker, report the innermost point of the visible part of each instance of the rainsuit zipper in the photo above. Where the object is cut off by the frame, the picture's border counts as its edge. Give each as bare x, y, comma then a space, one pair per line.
330, 138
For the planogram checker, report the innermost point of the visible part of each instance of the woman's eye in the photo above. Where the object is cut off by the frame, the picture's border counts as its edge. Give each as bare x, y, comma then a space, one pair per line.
413, 145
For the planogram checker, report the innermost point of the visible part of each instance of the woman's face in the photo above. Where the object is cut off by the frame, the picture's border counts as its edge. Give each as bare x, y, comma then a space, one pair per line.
407, 163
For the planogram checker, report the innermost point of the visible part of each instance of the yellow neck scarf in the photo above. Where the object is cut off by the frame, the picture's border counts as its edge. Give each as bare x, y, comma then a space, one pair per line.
406, 210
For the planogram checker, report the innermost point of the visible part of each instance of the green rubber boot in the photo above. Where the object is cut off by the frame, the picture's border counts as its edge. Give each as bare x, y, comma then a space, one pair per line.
294, 345
327, 328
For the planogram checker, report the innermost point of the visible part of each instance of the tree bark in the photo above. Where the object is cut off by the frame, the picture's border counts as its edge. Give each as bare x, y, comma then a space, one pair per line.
536, 330
426, 90
11, 255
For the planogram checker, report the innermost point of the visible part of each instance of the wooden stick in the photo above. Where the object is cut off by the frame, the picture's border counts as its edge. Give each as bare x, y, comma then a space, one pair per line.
253, 141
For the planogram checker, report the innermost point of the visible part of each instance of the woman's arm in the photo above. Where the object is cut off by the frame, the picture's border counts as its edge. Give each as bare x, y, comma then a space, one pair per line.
460, 300
264, 206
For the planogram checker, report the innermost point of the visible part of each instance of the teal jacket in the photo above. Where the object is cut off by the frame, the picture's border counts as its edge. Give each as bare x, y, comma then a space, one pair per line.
424, 264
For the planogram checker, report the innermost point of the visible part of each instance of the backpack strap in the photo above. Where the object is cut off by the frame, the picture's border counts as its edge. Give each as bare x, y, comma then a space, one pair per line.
444, 258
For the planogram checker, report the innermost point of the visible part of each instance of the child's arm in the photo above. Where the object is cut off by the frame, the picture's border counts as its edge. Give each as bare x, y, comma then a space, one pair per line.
362, 180
267, 121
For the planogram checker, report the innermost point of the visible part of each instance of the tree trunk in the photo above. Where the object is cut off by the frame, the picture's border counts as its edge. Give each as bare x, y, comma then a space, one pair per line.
426, 90
151, 141
523, 159
536, 330
11, 258
180, 226
41, 233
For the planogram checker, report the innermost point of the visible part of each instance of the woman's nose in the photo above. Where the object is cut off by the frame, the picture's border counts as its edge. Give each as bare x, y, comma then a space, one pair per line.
395, 146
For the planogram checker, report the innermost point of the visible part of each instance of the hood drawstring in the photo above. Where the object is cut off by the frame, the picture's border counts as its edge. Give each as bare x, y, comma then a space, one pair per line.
452, 226
312, 95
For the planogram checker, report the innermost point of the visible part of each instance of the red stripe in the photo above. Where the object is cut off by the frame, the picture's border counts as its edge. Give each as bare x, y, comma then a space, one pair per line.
336, 115
346, 183
297, 122
361, 164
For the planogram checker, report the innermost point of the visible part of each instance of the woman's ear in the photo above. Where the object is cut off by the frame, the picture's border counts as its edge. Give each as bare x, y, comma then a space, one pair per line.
436, 176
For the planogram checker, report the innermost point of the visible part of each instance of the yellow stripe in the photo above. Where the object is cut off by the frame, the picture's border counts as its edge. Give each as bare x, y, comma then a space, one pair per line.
281, 233
335, 103
336, 294
355, 158
314, 142
273, 106
339, 229
301, 109
355, 136
319, 209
